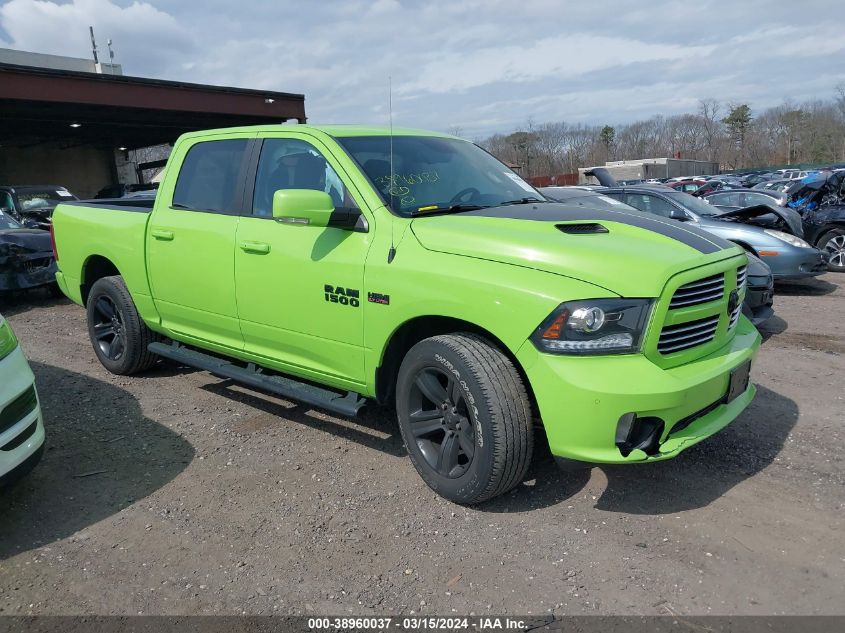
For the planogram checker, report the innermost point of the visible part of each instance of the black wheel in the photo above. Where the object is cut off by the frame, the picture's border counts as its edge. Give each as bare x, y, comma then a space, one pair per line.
119, 336
465, 417
833, 243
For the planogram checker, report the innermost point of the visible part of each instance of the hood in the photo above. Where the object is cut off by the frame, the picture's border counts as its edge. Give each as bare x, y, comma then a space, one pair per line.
34, 240
789, 217
603, 176
627, 252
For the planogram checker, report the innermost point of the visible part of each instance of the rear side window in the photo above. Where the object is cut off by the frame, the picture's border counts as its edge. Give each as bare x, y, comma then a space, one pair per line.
649, 204
210, 178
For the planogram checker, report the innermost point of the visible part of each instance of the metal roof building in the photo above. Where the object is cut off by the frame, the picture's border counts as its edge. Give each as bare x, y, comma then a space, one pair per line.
70, 122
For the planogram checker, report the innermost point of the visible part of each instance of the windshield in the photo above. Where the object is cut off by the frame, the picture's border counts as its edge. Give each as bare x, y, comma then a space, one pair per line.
7, 222
691, 203
432, 174
37, 198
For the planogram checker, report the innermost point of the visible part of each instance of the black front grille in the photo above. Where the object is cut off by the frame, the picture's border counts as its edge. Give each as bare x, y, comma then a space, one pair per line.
676, 338
34, 265
21, 437
683, 423
18, 409
698, 292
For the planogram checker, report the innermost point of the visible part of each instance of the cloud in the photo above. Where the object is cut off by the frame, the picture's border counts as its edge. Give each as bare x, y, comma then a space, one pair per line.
485, 65
139, 30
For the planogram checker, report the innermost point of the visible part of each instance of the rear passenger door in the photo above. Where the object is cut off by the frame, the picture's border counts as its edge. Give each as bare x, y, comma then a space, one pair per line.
191, 240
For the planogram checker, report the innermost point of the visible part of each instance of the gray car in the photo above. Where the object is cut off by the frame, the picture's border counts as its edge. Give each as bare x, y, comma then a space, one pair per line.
788, 256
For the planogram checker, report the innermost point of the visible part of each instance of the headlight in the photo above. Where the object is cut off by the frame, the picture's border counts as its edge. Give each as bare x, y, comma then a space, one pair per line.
8, 341
789, 239
598, 326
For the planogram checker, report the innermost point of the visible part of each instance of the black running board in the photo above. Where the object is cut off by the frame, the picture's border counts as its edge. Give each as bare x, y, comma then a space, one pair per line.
252, 375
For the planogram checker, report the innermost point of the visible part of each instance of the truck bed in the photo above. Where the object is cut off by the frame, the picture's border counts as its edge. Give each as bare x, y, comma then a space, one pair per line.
111, 229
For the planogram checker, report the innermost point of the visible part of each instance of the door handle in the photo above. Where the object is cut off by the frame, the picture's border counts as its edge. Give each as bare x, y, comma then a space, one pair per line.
161, 234
261, 248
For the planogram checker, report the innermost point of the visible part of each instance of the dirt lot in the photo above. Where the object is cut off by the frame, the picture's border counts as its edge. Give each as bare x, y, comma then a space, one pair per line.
178, 493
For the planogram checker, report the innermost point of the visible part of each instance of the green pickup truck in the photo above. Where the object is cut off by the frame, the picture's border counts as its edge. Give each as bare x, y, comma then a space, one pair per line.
337, 264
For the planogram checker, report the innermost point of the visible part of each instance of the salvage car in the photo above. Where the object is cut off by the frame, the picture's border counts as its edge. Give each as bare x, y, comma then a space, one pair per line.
32, 205
735, 199
26, 257
820, 199
759, 296
788, 255
21, 425
346, 263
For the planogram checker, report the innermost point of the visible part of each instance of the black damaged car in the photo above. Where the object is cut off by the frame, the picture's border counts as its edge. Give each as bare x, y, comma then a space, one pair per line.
32, 205
26, 257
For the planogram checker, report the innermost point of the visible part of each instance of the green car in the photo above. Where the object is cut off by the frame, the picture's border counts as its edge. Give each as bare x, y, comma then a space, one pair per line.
337, 264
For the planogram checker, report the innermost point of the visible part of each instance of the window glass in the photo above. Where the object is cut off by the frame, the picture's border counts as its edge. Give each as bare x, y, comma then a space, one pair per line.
287, 163
42, 198
728, 199
7, 221
752, 199
416, 174
209, 178
6, 202
649, 203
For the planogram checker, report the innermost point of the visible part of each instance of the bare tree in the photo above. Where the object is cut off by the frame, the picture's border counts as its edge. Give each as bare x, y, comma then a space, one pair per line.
708, 110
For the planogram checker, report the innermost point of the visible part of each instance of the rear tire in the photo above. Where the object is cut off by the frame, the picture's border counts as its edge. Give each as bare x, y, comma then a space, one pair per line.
465, 417
833, 243
119, 336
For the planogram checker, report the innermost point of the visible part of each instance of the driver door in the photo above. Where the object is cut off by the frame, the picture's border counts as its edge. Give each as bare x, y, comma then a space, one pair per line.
299, 287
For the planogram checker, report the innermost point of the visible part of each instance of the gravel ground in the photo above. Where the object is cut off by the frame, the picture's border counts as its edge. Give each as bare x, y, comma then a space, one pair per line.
178, 493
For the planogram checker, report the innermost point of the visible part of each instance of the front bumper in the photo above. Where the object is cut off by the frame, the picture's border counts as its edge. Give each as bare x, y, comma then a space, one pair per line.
795, 263
21, 425
581, 399
759, 298
22, 273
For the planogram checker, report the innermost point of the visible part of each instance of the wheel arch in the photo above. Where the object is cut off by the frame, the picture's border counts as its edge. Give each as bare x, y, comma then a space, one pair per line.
745, 246
833, 225
418, 328
95, 268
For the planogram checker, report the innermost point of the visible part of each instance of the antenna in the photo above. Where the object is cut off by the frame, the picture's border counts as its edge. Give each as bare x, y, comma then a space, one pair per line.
392, 252
390, 115
111, 55
93, 44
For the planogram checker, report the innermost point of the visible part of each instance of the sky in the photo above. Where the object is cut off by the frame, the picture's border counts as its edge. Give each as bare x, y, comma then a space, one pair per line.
480, 66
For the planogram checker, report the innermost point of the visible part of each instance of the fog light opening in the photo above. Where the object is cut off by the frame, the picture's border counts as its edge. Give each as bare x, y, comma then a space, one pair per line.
634, 433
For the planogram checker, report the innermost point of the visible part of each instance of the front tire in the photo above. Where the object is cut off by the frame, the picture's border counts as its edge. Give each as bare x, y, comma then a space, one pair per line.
119, 336
465, 417
833, 243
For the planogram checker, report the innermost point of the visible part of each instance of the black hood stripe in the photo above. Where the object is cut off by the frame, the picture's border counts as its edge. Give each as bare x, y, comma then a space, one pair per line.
554, 212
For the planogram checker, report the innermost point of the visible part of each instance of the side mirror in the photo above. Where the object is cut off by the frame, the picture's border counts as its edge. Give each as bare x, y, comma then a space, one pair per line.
678, 214
302, 206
